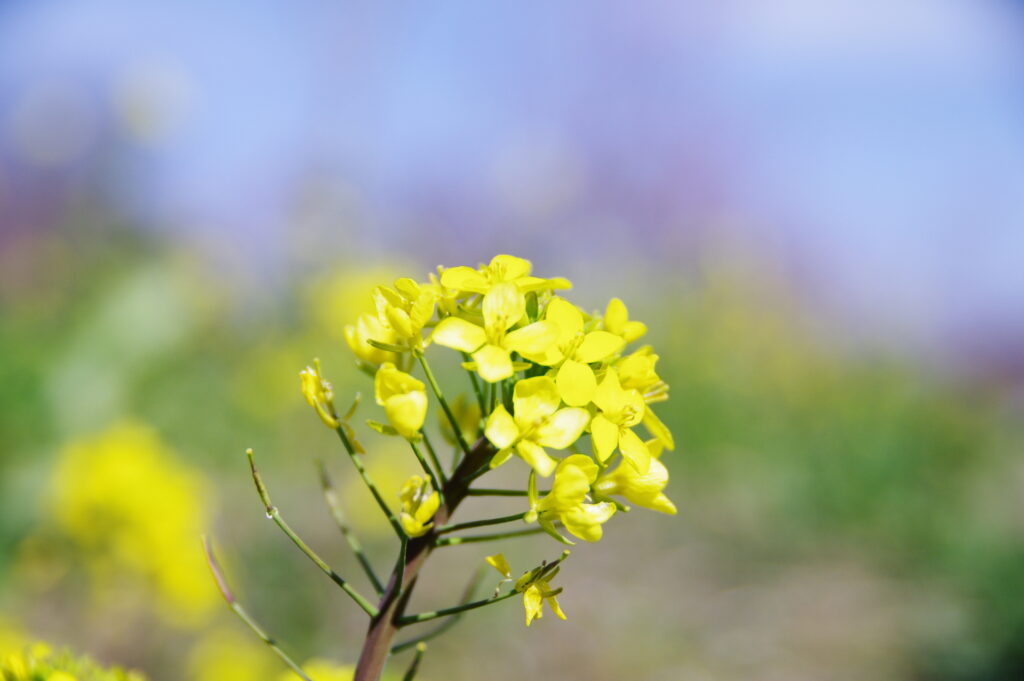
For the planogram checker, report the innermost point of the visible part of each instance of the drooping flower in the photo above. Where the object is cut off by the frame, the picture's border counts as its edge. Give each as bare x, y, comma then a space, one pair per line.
537, 423
403, 397
503, 269
616, 320
535, 586
568, 501
574, 351
612, 427
319, 394
646, 490
420, 502
492, 344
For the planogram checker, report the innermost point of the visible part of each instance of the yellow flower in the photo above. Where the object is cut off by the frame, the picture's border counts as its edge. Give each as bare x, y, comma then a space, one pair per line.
419, 504
502, 269
616, 320
567, 501
500, 563
368, 327
644, 490
405, 310
535, 586
39, 662
403, 397
319, 394
636, 372
537, 423
612, 427
574, 351
492, 345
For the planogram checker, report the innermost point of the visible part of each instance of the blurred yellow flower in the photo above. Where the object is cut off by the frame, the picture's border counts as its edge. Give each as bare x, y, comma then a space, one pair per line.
39, 662
319, 394
228, 654
538, 423
419, 504
368, 327
403, 397
134, 509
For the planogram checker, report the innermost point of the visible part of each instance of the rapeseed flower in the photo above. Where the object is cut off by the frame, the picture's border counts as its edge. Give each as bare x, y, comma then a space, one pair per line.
537, 422
403, 397
492, 344
501, 270
569, 501
574, 351
612, 427
646, 490
420, 502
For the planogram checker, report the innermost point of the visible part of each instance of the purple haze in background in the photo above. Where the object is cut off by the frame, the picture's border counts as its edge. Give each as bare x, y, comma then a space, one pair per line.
875, 148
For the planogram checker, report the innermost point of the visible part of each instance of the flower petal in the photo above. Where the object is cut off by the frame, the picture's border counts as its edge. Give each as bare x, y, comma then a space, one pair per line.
534, 454
532, 602
501, 428
599, 345
658, 429
609, 395
406, 412
566, 315
576, 383
534, 399
585, 520
533, 339
464, 279
509, 267
615, 316
500, 563
503, 306
459, 334
493, 363
605, 435
562, 428
634, 450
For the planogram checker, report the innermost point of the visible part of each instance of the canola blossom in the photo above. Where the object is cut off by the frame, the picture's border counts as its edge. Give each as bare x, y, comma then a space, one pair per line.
40, 662
554, 386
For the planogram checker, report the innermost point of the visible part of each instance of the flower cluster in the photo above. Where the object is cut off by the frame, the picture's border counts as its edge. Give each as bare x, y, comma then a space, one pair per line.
547, 375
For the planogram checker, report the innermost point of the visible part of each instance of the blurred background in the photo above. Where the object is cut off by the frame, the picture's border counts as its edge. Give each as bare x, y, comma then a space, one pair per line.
818, 209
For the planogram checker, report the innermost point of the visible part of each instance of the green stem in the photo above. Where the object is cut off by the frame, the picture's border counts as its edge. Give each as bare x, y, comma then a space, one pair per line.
476, 384
331, 497
358, 463
476, 539
444, 404
455, 527
427, 469
275, 514
414, 666
432, 453
235, 606
467, 595
427, 616
492, 492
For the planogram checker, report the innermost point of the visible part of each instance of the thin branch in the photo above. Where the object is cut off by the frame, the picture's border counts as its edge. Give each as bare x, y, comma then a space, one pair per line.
444, 529
491, 492
358, 463
331, 496
275, 514
403, 551
414, 666
476, 385
444, 404
229, 597
467, 594
427, 616
438, 485
432, 453
478, 538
